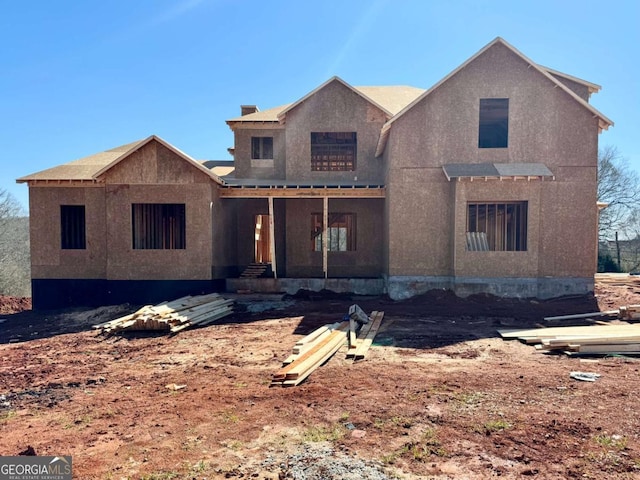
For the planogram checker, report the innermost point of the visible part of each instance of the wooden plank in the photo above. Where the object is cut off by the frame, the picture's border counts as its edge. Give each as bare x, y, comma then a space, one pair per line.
311, 356
297, 349
364, 331
362, 349
582, 315
610, 348
272, 240
325, 236
566, 331
305, 374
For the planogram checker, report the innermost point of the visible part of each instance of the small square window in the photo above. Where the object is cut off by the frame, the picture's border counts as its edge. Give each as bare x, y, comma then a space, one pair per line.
261, 148
494, 123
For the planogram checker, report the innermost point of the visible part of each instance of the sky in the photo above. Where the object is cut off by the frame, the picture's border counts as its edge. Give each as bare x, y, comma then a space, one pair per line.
81, 77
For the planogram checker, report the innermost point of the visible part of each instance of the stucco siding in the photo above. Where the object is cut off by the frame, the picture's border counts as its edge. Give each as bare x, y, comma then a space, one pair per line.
261, 169
364, 261
48, 259
334, 108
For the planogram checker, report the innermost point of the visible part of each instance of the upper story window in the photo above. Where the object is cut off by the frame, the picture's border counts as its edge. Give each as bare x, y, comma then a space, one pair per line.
261, 148
158, 226
72, 227
333, 151
494, 123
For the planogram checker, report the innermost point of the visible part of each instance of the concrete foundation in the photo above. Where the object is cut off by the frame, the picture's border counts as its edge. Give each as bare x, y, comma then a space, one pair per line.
402, 287
358, 286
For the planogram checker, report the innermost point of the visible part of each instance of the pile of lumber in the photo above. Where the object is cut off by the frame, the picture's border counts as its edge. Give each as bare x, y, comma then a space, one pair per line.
172, 316
319, 346
609, 339
617, 279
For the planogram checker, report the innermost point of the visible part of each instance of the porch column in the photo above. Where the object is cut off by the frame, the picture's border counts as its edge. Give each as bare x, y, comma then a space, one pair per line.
325, 237
272, 239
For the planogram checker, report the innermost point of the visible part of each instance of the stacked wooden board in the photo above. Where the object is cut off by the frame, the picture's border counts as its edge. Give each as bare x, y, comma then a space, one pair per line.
172, 316
619, 338
358, 348
315, 349
617, 279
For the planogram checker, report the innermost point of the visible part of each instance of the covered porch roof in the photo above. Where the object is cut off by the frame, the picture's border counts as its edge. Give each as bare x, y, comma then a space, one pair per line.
251, 187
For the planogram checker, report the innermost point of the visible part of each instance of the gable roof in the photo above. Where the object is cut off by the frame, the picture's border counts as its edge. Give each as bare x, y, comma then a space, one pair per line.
389, 98
92, 167
603, 121
333, 79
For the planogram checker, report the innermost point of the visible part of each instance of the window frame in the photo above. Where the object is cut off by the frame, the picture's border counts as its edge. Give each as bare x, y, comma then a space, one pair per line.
158, 226
260, 147
333, 151
504, 228
493, 123
73, 227
337, 222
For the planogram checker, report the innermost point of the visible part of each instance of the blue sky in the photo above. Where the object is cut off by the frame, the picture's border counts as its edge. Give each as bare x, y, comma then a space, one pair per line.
80, 77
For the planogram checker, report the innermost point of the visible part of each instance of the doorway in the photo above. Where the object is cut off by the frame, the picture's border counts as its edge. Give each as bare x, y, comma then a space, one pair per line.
262, 245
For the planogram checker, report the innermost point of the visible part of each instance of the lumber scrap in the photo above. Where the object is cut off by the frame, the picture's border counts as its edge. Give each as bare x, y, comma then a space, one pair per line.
172, 316
318, 353
626, 312
592, 339
363, 348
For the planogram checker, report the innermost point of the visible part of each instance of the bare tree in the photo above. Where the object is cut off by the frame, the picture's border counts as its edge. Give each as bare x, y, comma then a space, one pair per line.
9, 206
619, 187
14, 247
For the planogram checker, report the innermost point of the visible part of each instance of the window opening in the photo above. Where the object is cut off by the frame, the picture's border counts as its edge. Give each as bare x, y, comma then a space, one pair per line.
73, 227
341, 232
494, 123
158, 226
498, 226
333, 151
261, 148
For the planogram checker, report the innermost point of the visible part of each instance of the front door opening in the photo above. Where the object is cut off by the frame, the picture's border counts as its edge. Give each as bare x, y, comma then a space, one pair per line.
262, 244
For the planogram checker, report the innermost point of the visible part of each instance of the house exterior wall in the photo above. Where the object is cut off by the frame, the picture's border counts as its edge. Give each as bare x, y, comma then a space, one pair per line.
334, 108
364, 261
110, 269
245, 166
414, 238
48, 259
427, 213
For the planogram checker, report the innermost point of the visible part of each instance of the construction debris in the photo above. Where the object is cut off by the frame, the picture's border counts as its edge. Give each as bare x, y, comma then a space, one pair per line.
629, 312
172, 316
585, 376
320, 345
621, 338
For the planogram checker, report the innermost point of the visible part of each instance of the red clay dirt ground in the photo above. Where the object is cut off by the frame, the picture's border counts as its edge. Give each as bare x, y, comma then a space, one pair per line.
440, 394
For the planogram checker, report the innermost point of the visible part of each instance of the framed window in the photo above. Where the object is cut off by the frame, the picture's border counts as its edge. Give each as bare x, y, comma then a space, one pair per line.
494, 123
333, 151
158, 226
261, 148
72, 227
341, 232
498, 226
